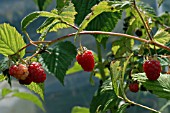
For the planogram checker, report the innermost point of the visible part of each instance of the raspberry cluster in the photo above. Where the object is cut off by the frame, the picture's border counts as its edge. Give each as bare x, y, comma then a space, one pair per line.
86, 60
33, 73
152, 68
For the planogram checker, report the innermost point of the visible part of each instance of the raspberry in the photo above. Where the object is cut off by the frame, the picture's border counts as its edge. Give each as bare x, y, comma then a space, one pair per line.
152, 68
86, 60
36, 72
27, 81
134, 87
19, 71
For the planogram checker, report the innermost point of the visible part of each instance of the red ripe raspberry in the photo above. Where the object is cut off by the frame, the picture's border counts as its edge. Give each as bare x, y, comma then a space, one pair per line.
152, 68
19, 71
36, 72
86, 60
134, 87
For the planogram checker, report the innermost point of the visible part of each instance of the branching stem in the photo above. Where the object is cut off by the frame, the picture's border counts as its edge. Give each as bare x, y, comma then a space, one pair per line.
99, 32
137, 104
140, 105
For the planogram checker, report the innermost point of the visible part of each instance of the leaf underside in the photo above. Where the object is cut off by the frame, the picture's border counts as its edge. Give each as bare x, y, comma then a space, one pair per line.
160, 87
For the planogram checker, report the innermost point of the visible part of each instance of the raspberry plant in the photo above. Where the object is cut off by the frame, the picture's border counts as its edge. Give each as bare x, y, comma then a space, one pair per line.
124, 63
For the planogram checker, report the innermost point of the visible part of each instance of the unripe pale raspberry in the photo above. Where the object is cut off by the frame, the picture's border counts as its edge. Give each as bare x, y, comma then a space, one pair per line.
19, 71
36, 72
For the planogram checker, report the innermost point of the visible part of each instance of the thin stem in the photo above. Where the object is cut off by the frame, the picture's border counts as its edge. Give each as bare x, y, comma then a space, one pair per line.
148, 108
149, 50
29, 38
112, 34
145, 25
165, 106
99, 32
167, 28
163, 56
122, 89
23, 61
24, 47
100, 63
73, 26
35, 54
35, 42
137, 104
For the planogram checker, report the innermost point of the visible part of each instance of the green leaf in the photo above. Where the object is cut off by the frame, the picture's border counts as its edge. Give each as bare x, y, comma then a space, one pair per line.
104, 99
146, 8
78, 109
57, 63
30, 97
10, 41
104, 22
76, 68
37, 88
125, 65
115, 75
98, 74
61, 4
141, 77
160, 2
5, 91
133, 21
163, 51
122, 108
103, 6
32, 16
164, 18
160, 87
2, 77
91, 79
4, 64
42, 4
120, 47
8, 76
165, 106
83, 8
164, 61
47, 25
66, 16
162, 37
